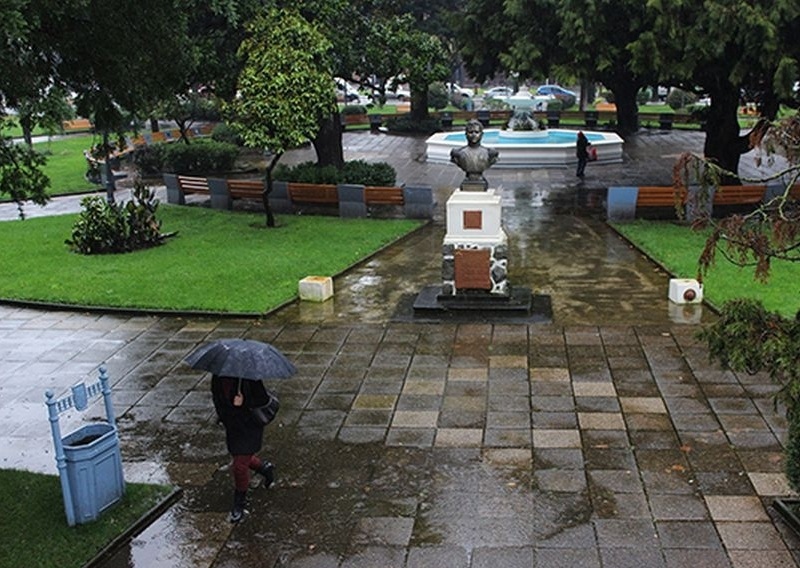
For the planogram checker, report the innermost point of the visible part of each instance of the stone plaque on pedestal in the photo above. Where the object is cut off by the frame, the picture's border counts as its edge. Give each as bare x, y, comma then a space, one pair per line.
472, 269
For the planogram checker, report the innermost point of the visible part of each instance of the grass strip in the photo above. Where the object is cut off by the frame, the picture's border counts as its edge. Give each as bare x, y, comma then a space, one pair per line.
33, 527
677, 247
219, 261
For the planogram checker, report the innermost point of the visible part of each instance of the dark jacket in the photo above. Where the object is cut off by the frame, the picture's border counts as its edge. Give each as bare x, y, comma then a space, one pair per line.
581, 148
243, 434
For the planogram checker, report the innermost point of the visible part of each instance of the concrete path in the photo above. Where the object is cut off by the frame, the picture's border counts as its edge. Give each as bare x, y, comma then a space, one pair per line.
604, 438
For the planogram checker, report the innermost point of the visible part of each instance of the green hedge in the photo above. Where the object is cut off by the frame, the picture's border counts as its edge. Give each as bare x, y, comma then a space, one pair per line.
200, 157
356, 172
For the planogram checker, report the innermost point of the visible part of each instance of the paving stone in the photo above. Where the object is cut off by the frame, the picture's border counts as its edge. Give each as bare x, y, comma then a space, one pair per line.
677, 507
601, 421
550, 458
601, 388
567, 558
642, 404
459, 437
617, 480
467, 374
443, 556
502, 557
735, 508
556, 439
749, 536
683, 558
632, 557
560, 480
761, 558
770, 484
626, 533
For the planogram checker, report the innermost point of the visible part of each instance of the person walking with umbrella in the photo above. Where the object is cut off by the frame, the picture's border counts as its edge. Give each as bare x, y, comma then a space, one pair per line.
243, 405
244, 435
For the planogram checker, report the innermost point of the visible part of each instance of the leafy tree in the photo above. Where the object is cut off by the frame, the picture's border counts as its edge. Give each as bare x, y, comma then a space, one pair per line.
21, 175
718, 48
598, 36
746, 337
285, 87
117, 63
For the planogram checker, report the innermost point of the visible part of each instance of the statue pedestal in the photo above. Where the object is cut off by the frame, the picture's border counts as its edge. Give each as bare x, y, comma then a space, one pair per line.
475, 248
475, 267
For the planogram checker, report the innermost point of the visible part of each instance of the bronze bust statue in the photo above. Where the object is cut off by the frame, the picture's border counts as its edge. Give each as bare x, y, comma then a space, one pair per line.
474, 158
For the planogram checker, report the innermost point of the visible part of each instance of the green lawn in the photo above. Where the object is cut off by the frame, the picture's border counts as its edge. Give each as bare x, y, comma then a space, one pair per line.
678, 247
33, 526
219, 261
66, 164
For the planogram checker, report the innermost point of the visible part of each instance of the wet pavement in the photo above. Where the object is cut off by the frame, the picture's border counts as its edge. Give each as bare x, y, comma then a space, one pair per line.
603, 438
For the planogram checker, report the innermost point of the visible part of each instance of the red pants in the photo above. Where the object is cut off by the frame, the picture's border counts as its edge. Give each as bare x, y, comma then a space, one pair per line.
242, 464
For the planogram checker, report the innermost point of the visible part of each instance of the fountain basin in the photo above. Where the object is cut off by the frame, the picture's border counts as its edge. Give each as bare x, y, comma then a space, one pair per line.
551, 148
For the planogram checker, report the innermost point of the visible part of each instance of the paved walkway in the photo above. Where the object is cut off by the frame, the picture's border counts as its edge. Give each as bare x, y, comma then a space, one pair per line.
604, 438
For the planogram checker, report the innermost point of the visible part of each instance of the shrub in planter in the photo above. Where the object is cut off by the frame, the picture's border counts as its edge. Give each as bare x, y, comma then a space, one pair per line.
106, 228
354, 109
224, 133
356, 171
405, 123
361, 172
149, 159
437, 95
555, 105
678, 98
200, 157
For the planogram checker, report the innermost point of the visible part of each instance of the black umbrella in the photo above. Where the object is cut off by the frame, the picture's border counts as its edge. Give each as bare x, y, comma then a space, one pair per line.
241, 358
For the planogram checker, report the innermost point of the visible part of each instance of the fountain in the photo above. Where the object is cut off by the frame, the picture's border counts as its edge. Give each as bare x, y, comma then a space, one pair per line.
529, 148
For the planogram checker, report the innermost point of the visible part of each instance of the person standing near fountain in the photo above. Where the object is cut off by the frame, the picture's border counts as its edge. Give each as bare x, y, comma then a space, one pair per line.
474, 158
582, 152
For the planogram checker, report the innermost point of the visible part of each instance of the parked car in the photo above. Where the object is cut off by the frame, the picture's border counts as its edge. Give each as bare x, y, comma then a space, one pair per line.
456, 89
345, 92
498, 93
566, 97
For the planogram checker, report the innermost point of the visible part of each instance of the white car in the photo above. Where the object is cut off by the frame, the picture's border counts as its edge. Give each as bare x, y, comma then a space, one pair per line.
456, 89
498, 93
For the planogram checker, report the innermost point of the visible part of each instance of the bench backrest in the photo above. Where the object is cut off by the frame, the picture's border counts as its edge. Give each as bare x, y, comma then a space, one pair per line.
377, 195
657, 196
245, 188
739, 194
313, 193
190, 184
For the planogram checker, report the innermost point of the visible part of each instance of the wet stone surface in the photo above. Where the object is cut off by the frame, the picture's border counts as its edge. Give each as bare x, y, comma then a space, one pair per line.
605, 438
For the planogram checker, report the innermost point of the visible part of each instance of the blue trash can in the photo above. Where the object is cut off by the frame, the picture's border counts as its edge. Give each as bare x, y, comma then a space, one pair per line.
89, 460
94, 469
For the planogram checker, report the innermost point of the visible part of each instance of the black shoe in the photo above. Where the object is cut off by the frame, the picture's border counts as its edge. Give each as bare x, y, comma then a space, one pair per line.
268, 471
238, 512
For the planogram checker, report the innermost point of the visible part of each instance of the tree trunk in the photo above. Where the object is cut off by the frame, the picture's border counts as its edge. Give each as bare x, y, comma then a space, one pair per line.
627, 108
419, 103
724, 144
328, 142
26, 123
110, 181
268, 190
154, 125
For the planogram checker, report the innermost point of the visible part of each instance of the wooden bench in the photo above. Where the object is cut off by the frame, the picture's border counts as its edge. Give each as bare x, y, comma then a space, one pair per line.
623, 202
191, 184
313, 194
739, 194
383, 195
77, 125
245, 188
657, 196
